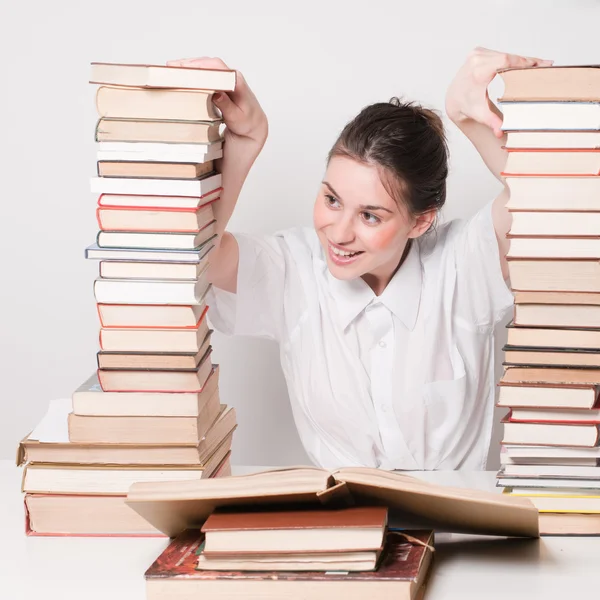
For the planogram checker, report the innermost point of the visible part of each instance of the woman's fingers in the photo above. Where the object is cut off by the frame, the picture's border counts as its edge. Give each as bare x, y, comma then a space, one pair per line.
202, 62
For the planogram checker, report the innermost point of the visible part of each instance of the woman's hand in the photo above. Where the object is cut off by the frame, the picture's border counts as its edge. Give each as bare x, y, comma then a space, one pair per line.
467, 97
245, 119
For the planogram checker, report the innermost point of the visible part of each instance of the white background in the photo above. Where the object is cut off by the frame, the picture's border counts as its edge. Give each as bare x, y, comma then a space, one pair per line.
312, 65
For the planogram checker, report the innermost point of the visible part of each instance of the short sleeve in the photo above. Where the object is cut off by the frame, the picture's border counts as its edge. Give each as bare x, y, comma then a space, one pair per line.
256, 309
482, 293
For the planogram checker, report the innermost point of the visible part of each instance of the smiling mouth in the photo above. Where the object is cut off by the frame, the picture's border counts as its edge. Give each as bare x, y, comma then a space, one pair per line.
342, 256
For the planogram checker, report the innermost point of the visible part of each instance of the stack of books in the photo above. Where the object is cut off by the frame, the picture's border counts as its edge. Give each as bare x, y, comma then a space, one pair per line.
400, 573
308, 533
151, 412
347, 539
550, 384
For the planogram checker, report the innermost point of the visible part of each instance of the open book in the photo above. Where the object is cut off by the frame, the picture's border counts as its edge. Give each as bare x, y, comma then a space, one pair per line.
172, 507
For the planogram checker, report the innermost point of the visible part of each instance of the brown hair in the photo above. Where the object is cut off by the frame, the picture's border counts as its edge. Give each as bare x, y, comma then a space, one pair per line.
408, 143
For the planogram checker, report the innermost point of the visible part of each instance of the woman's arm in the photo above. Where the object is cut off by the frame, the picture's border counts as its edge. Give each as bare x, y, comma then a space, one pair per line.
245, 135
471, 110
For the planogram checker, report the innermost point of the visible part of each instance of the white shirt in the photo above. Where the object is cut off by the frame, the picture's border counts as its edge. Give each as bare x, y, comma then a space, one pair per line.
400, 381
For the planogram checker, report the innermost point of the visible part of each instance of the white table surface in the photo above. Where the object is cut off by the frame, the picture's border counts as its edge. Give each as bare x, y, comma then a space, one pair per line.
465, 567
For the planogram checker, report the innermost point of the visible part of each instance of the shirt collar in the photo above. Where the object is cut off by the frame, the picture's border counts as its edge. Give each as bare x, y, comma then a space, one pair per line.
402, 295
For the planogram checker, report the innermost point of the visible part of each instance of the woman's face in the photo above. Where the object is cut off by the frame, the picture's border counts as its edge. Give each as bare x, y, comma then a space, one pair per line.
362, 229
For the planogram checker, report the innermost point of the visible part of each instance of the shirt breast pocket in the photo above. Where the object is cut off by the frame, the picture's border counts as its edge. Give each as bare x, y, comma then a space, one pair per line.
445, 405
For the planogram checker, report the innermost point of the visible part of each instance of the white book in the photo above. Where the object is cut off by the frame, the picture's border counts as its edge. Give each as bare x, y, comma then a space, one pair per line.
542, 247
162, 76
552, 471
151, 152
553, 139
156, 241
68, 479
519, 451
161, 147
169, 157
551, 116
94, 252
548, 483
158, 201
155, 187
155, 291
556, 224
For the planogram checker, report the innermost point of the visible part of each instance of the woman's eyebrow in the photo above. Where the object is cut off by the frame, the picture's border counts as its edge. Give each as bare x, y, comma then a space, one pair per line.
362, 206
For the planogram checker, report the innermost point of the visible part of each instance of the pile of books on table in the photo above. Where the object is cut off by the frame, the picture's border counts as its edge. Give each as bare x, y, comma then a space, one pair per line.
550, 448
151, 412
307, 533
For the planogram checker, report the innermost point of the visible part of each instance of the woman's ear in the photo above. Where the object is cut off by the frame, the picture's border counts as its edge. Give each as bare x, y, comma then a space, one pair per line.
422, 223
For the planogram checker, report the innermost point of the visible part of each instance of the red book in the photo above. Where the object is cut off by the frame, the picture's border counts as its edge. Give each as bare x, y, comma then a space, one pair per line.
400, 576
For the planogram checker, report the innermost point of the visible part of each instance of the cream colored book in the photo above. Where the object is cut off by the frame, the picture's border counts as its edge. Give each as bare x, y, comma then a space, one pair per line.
173, 507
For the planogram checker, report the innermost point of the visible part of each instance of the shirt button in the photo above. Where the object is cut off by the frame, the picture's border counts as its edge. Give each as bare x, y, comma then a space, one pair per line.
382, 344
384, 409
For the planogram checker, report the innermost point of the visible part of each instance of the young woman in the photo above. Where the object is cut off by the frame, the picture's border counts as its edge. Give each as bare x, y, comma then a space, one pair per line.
385, 322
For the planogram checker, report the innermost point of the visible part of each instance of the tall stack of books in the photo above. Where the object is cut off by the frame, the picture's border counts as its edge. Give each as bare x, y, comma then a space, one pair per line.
551, 380
151, 412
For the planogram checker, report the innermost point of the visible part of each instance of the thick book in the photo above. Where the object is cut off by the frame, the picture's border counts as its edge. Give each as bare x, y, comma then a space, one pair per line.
560, 82
557, 309
306, 561
49, 443
162, 76
90, 400
170, 105
554, 247
546, 337
154, 170
151, 316
555, 224
531, 484
553, 193
79, 515
175, 507
547, 395
552, 471
550, 434
400, 576
137, 269
101, 479
156, 240
196, 153
552, 162
179, 220
144, 430
551, 376
150, 291
94, 252
132, 201
569, 524
555, 140
154, 361
566, 502
550, 116
556, 275
554, 415
156, 187
156, 153
129, 339
350, 529
145, 380
551, 357
161, 132
551, 455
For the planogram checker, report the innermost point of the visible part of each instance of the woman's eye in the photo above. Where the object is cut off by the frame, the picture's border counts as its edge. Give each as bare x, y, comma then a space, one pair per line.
331, 200
371, 218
